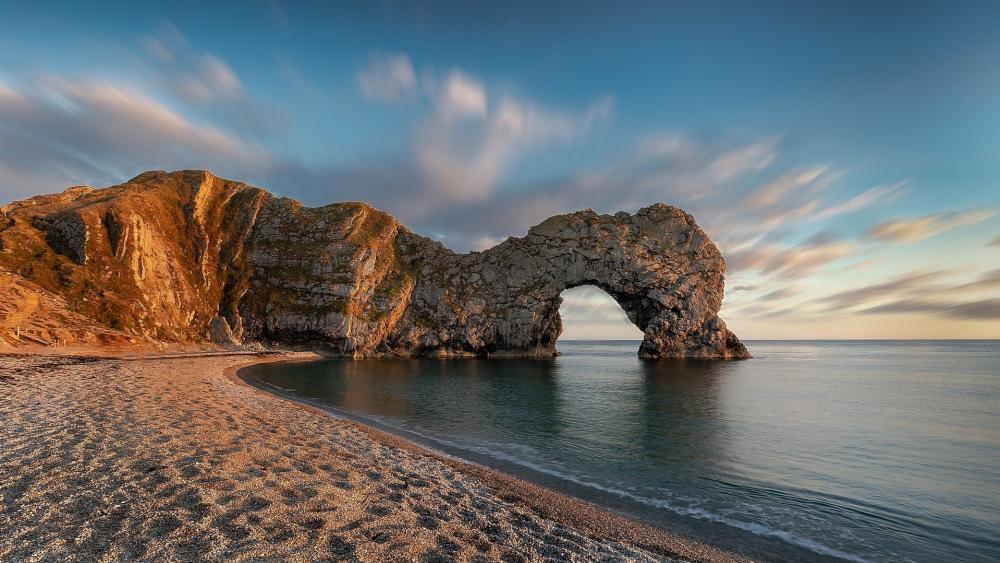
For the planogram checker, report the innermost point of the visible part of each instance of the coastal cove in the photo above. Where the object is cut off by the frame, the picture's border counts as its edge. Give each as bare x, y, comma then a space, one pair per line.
784, 457
170, 456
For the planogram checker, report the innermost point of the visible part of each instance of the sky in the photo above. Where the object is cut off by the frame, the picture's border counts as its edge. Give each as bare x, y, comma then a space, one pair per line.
844, 156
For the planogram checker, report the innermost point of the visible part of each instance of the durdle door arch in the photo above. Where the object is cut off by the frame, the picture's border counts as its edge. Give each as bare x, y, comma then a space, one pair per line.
659, 266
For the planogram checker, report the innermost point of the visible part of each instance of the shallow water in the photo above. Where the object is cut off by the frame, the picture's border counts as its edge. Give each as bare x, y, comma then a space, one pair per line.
881, 451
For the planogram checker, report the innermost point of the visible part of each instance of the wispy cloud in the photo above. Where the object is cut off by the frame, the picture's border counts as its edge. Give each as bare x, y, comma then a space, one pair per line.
388, 77
770, 194
918, 292
459, 95
863, 295
914, 229
85, 129
979, 310
197, 77
874, 196
984, 309
921, 292
204, 79
298, 79
995, 242
464, 160
789, 262
683, 171
588, 312
466, 143
753, 157
986, 281
590, 303
781, 294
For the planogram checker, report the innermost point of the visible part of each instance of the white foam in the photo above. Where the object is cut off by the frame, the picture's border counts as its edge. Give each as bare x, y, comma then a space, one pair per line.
693, 512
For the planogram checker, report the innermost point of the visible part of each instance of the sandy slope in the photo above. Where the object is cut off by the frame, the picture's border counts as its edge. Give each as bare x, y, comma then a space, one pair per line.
171, 459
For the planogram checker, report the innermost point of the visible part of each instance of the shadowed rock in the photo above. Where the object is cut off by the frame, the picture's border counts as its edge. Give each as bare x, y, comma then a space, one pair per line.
657, 264
187, 256
66, 233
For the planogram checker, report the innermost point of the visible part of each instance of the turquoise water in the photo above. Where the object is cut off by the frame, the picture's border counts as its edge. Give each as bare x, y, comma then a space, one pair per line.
866, 451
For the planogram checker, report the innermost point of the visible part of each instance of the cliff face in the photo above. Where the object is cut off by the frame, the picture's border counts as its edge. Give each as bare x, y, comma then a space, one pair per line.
187, 256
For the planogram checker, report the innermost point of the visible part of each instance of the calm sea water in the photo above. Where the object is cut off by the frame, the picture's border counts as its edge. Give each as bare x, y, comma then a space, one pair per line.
876, 451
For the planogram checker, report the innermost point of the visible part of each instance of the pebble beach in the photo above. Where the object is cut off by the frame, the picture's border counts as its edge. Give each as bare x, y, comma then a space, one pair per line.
176, 458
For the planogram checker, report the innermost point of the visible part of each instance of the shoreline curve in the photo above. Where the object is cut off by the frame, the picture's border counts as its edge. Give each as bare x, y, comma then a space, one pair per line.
577, 513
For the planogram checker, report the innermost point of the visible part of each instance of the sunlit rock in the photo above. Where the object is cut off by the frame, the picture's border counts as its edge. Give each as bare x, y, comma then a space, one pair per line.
187, 256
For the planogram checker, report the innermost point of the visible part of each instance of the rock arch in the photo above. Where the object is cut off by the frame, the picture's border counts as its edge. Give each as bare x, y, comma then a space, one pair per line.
658, 265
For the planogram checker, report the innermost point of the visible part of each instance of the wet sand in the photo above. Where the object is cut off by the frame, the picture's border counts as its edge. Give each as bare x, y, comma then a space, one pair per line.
176, 458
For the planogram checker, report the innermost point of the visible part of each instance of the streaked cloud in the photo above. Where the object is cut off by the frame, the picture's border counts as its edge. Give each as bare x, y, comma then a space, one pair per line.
906, 282
460, 96
915, 229
588, 312
466, 143
671, 146
986, 281
197, 77
682, 170
995, 242
922, 292
772, 193
925, 293
464, 161
788, 262
781, 294
868, 198
299, 80
388, 78
212, 80
85, 130
203, 79
753, 157
983, 309
979, 310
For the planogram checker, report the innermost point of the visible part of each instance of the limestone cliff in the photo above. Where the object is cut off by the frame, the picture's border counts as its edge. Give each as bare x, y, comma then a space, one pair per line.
187, 256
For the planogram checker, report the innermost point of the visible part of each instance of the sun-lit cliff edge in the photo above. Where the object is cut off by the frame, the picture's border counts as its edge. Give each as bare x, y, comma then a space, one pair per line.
190, 257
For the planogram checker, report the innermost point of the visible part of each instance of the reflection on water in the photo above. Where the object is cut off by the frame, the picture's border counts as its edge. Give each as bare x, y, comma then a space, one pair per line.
451, 395
680, 406
862, 451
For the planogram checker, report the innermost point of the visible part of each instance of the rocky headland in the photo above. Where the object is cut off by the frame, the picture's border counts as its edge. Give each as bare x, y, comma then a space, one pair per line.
187, 257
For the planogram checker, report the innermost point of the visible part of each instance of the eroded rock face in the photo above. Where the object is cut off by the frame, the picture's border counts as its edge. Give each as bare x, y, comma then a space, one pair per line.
657, 264
187, 256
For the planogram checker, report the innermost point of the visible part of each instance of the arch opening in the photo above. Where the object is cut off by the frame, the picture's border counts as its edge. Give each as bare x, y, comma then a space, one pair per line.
591, 313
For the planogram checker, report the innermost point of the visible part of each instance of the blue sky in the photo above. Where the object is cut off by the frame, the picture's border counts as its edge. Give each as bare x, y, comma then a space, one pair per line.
845, 156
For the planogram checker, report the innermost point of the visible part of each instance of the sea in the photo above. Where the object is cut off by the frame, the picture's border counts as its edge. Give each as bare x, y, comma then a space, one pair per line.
810, 451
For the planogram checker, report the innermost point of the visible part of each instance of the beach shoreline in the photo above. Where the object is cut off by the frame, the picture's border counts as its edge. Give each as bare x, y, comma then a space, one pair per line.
253, 462
569, 510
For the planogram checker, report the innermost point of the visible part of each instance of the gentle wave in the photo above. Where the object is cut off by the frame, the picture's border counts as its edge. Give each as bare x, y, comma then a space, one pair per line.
756, 529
